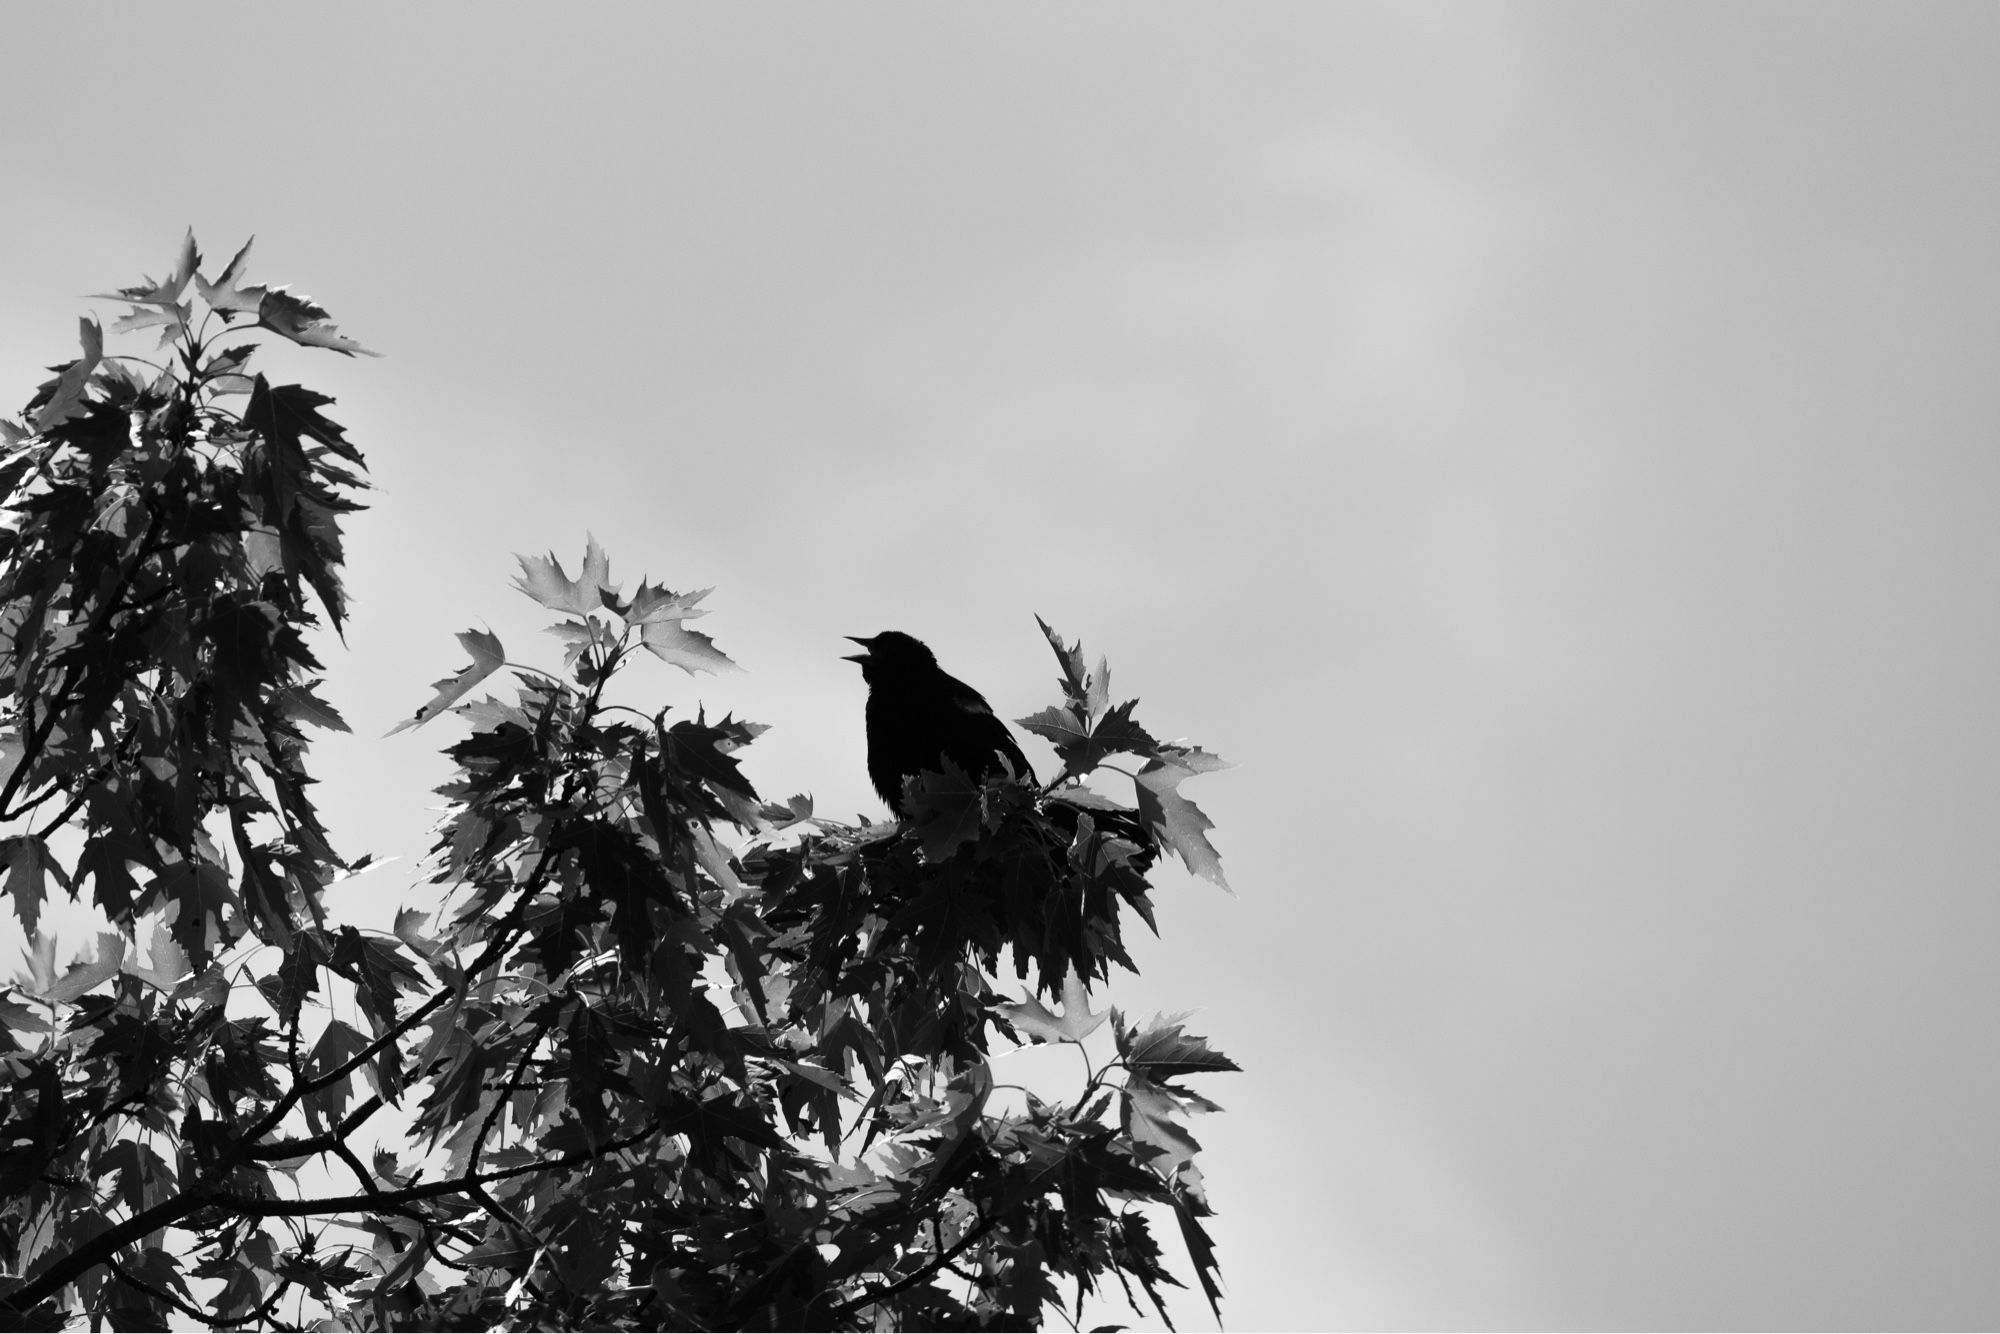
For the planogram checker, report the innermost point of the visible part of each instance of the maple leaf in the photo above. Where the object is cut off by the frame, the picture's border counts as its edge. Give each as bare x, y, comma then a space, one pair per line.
173, 317
337, 1045
794, 810
304, 322
1061, 725
66, 397
487, 658
542, 579
140, 1176
159, 303
1086, 730
657, 602
107, 860
225, 370
300, 704
817, 1075
226, 295
658, 612
297, 503
176, 281
1177, 821
292, 412
1147, 1113
1081, 744
1076, 1024
27, 860
944, 808
1087, 692
169, 966
81, 976
41, 959
168, 291
1162, 1050
379, 971
1201, 1249
714, 860
206, 904
579, 637
1116, 732
694, 750
409, 929
690, 650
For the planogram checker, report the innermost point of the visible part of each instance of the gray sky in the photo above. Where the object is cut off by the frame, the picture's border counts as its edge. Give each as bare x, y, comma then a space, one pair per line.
1550, 448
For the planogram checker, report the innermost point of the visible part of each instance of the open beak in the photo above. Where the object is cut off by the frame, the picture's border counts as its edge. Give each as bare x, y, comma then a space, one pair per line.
856, 657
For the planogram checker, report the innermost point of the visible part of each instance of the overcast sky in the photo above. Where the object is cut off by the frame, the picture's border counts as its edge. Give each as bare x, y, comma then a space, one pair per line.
1549, 448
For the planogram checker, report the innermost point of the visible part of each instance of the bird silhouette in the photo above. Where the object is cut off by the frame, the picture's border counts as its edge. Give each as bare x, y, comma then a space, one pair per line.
919, 715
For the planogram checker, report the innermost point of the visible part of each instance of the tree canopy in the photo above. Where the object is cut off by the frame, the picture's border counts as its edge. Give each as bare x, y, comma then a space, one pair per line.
655, 1051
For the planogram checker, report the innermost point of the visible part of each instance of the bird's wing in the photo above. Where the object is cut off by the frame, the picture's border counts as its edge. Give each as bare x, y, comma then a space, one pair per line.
987, 734
963, 696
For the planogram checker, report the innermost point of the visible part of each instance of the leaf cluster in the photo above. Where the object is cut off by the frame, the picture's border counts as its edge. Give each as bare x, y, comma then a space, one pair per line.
660, 1053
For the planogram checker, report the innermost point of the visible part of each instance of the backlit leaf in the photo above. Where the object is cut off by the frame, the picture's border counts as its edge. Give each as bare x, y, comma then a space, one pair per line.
85, 975
227, 293
169, 962
487, 658
1177, 821
41, 960
658, 612
1149, 1117
656, 602
167, 291
173, 317
67, 399
1163, 1050
542, 579
304, 321
1077, 1021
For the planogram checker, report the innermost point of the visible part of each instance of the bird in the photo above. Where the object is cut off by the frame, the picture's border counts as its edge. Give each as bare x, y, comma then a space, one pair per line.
920, 715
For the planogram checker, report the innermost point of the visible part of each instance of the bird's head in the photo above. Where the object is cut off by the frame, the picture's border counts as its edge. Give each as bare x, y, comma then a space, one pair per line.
891, 654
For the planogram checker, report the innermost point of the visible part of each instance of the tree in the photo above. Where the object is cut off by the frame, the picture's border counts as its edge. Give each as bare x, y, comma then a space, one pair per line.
666, 1055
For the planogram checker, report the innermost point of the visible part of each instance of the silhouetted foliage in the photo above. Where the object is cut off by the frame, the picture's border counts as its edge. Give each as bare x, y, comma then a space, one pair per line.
653, 1053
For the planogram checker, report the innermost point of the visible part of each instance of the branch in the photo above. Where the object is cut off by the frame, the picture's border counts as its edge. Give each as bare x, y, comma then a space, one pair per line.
329, 1141
507, 1216
100, 1249
192, 1312
943, 1261
347, 1155
501, 942
389, 1199
513, 1220
988, 1218
108, 1243
500, 1103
